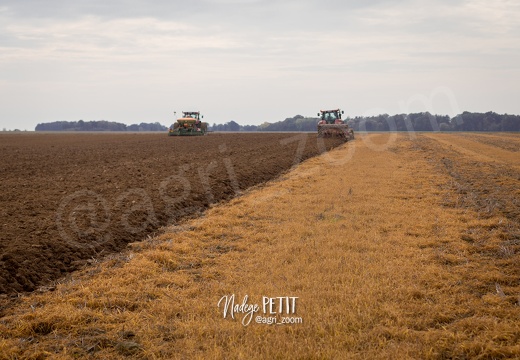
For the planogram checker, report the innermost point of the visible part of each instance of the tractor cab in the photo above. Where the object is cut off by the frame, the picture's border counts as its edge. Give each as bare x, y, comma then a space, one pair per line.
330, 116
191, 115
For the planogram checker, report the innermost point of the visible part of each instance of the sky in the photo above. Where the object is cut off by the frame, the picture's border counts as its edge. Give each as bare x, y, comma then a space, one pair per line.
254, 61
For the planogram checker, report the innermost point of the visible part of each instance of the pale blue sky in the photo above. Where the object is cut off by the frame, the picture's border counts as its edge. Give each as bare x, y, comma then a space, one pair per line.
255, 60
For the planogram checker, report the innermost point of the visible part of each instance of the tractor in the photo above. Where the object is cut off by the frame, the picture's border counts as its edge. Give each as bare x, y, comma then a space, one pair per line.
189, 124
331, 125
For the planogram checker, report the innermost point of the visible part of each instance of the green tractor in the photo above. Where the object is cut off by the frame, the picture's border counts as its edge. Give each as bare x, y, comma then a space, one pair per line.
189, 124
331, 125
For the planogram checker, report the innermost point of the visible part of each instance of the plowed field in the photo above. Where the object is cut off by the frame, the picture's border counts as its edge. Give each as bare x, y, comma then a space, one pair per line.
68, 199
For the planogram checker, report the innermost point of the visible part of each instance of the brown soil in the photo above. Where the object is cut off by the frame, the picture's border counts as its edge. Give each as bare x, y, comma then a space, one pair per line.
68, 199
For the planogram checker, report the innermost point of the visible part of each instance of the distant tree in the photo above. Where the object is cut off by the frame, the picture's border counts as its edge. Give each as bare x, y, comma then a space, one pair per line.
263, 126
233, 126
510, 123
444, 127
100, 125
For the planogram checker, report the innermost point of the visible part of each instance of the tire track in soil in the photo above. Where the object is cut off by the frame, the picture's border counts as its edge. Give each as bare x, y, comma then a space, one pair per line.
484, 185
479, 148
506, 141
68, 199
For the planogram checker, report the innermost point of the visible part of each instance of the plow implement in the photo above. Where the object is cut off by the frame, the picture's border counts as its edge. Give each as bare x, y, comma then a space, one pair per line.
335, 130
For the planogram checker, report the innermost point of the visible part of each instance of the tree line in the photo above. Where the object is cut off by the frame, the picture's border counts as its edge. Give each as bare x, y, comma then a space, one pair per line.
423, 121
101, 125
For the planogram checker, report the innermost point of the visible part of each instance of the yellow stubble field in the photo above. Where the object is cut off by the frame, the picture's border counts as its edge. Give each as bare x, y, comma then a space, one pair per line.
392, 246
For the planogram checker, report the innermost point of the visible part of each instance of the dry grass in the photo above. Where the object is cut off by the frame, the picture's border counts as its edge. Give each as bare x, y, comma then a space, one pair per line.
382, 268
506, 141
